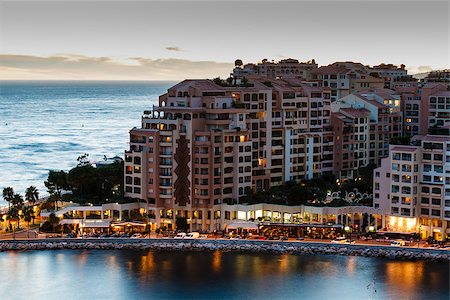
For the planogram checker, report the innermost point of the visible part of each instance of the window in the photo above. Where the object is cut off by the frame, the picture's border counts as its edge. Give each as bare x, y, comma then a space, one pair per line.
436, 191
424, 211
436, 201
435, 212
425, 200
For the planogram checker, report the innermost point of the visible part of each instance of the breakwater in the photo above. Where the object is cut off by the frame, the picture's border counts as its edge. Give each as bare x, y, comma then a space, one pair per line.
279, 247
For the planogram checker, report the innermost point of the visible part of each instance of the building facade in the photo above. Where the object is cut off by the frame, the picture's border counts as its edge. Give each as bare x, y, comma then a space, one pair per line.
412, 186
286, 68
351, 144
383, 123
389, 73
207, 144
345, 78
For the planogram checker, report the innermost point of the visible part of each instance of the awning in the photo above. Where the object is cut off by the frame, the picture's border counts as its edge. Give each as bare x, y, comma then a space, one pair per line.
128, 224
243, 225
92, 223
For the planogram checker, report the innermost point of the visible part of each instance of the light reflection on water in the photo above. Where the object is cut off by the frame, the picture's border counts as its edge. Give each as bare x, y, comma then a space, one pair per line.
143, 274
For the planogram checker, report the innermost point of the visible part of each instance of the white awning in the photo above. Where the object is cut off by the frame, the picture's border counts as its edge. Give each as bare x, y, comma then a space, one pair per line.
243, 225
128, 224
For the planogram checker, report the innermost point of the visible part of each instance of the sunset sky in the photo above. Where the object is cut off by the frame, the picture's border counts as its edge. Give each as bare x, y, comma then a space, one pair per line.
172, 40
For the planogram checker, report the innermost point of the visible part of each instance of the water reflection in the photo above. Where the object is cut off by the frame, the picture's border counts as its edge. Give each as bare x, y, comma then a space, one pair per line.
217, 261
146, 274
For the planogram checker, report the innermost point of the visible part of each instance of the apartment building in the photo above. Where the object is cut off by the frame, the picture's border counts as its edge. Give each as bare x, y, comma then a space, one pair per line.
438, 76
384, 122
390, 73
412, 186
344, 78
207, 144
410, 108
351, 148
286, 68
435, 106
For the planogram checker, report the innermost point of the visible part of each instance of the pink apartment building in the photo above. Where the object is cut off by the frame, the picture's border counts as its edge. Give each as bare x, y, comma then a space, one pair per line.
286, 68
344, 78
208, 144
369, 138
412, 187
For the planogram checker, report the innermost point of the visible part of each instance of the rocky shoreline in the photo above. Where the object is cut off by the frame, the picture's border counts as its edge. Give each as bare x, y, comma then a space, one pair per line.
276, 247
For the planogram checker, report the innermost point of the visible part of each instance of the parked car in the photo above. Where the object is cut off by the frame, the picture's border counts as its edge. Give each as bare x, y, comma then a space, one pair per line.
236, 237
180, 235
339, 240
192, 235
136, 236
398, 243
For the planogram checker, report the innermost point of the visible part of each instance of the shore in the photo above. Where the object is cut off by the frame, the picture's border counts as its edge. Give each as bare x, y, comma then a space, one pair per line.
277, 247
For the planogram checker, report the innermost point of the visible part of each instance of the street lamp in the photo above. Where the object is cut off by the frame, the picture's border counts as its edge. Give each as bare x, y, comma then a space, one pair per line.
420, 236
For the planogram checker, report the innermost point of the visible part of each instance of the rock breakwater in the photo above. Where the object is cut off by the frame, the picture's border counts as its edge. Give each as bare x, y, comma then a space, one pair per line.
276, 247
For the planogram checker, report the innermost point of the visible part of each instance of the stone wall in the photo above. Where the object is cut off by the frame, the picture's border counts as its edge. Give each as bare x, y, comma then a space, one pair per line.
277, 247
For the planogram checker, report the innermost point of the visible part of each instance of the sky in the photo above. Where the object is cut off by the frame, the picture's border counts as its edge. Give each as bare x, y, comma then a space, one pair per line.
173, 40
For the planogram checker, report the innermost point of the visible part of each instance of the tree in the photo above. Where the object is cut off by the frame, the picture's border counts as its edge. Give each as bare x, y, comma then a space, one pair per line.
28, 216
14, 215
181, 224
8, 195
17, 200
218, 81
56, 182
54, 220
32, 195
83, 160
365, 221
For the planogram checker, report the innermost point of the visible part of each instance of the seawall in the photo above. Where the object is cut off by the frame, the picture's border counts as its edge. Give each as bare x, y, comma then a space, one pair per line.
277, 247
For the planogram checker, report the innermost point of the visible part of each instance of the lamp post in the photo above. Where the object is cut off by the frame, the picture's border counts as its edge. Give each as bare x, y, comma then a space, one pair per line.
420, 236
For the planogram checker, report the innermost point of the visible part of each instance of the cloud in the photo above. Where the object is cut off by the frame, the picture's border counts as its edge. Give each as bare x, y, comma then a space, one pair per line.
419, 69
176, 49
74, 66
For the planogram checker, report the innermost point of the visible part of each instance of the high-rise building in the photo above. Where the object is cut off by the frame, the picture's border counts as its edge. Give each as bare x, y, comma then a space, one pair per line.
209, 144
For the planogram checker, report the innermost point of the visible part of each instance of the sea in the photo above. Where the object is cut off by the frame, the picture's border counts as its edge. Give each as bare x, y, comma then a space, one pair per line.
127, 274
47, 125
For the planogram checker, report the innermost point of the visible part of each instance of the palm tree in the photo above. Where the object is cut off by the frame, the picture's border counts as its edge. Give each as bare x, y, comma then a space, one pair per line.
17, 200
32, 195
28, 215
8, 195
14, 214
